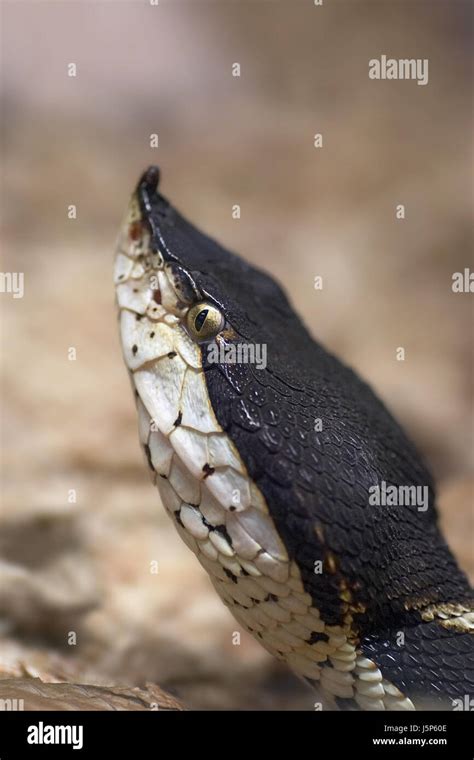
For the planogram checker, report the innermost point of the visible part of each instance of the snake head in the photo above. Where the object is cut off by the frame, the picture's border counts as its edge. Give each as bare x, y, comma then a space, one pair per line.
169, 311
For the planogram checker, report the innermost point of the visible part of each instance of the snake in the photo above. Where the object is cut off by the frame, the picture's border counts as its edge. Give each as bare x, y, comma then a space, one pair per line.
286, 475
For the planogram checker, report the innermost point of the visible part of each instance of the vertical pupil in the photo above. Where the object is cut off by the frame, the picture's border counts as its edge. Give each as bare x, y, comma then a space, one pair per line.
200, 319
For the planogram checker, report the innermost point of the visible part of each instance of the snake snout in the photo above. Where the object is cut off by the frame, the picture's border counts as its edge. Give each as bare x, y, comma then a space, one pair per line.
150, 179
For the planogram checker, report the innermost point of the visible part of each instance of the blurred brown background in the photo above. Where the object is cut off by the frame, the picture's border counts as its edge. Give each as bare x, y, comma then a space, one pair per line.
166, 69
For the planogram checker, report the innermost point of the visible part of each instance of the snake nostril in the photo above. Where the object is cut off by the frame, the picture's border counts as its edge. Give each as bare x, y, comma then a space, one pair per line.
157, 296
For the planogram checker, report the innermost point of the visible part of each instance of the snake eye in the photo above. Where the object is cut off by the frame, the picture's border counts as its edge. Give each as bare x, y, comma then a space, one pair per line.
204, 321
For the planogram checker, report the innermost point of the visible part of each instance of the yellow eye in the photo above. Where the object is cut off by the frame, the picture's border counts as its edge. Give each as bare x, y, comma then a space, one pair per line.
204, 321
